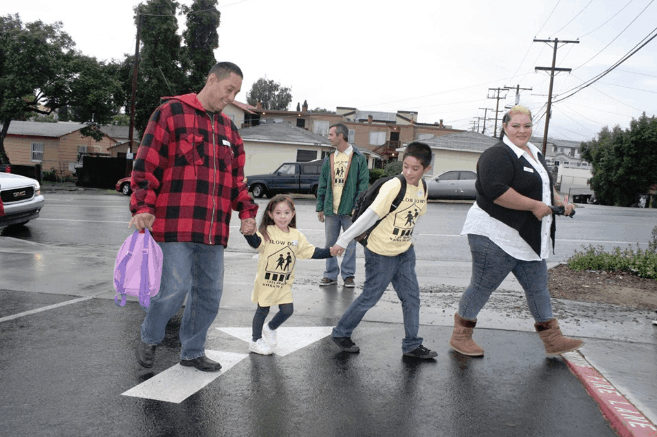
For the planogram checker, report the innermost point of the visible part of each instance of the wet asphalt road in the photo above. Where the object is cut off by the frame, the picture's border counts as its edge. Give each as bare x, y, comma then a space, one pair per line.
64, 372
64, 369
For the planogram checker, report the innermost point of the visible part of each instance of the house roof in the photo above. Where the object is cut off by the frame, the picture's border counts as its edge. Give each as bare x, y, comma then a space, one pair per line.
61, 128
119, 132
37, 129
244, 107
282, 132
468, 141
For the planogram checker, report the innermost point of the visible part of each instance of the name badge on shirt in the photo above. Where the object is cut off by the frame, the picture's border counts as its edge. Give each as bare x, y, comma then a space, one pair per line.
226, 143
294, 243
527, 169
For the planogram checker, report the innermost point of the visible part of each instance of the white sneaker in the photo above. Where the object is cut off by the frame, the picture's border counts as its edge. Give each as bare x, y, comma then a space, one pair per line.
260, 347
269, 336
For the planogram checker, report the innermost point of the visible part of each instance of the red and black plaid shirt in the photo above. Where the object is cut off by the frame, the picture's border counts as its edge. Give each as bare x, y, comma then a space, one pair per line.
189, 173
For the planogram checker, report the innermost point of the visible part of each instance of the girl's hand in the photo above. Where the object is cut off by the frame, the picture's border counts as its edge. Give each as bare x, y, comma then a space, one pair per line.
337, 250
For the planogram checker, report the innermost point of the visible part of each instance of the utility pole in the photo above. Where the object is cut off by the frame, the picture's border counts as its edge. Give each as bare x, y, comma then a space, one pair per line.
485, 118
548, 114
517, 88
134, 85
497, 108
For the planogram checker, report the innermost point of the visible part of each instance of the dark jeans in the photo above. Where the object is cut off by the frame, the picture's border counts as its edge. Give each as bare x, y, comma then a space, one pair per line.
284, 312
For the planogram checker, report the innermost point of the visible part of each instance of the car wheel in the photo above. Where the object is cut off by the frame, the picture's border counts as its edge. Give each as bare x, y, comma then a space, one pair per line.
315, 191
125, 188
258, 190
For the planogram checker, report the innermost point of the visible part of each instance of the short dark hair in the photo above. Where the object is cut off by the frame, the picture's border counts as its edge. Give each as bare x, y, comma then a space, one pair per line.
223, 69
341, 129
419, 151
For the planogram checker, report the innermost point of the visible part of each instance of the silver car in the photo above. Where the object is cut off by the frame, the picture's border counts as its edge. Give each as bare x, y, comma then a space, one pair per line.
453, 184
21, 199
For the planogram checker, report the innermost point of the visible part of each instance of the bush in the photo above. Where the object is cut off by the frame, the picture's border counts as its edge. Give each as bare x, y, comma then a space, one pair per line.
642, 263
50, 176
376, 173
394, 168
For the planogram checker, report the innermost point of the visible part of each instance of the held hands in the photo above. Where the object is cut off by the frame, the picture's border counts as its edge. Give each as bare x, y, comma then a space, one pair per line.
337, 250
248, 226
142, 220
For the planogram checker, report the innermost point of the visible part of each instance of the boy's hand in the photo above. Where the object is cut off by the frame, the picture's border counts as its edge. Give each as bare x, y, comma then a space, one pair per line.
337, 250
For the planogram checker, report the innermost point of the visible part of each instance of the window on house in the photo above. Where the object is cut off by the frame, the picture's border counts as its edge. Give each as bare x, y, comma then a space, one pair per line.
37, 152
352, 136
377, 138
306, 155
320, 127
325, 153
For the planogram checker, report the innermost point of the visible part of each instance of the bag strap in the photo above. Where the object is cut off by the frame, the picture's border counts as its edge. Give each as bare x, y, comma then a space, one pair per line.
144, 291
121, 268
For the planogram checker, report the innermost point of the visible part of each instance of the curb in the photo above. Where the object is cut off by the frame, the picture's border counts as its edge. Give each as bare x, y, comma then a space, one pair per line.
623, 417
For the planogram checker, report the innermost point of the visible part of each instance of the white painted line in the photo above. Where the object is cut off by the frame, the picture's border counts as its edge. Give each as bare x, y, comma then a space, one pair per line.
179, 382
50, 307
289, 339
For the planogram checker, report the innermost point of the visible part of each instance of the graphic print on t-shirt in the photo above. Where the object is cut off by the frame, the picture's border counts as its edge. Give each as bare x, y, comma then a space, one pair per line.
279, 265
340, 172
404, 222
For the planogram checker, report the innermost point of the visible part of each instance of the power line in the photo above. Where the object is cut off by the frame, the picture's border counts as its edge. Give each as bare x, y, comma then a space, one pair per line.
591, 81
548, 18
621, 9
571, 20
617, 36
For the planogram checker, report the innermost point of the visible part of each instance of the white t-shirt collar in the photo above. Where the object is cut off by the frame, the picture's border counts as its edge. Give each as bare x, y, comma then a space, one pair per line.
518, 151
347, 151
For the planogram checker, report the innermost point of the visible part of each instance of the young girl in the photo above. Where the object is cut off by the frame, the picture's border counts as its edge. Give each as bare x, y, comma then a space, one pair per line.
280, 244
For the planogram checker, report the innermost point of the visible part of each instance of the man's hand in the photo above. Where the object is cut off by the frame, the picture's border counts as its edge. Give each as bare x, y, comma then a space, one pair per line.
337, 250
142, 220
248, 226
320, 216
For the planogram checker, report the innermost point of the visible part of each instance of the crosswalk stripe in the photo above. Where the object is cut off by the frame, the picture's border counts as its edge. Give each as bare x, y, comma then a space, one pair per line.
179, 382
290, 339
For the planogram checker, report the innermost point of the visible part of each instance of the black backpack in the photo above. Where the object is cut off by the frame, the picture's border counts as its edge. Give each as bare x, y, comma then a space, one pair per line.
365, 199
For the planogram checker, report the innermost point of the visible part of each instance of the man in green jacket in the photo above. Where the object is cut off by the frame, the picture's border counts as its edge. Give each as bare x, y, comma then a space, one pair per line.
344, 176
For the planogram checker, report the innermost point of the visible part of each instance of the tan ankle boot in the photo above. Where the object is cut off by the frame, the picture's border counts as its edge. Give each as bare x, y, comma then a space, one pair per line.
553, 340
461, 340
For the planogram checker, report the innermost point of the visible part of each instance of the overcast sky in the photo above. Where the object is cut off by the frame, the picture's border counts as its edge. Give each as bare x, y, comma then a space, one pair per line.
436, 57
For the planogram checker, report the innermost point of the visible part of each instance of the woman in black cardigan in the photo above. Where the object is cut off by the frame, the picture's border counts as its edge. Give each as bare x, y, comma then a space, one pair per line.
509, 229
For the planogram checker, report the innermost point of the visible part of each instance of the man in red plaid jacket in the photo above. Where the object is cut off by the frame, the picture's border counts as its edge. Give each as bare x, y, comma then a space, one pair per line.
187, 178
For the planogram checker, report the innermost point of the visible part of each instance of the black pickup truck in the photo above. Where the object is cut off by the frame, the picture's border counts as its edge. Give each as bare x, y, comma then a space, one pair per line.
290, 177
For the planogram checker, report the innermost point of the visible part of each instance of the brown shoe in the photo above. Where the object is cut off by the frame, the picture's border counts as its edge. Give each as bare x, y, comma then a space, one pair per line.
461, 340
327, 281
553, 340
349, 282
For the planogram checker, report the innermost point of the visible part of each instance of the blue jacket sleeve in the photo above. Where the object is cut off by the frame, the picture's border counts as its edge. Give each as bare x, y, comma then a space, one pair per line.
253, 240
322, 253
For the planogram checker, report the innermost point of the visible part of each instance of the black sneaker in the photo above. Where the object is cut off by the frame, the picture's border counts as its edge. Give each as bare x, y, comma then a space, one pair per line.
346, 344
421, 352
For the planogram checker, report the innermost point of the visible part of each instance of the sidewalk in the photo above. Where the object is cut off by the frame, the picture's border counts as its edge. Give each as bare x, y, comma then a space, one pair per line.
617, 365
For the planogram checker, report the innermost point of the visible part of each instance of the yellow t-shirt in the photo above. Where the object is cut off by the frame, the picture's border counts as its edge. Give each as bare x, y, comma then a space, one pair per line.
393, 235
273, 284
340, 163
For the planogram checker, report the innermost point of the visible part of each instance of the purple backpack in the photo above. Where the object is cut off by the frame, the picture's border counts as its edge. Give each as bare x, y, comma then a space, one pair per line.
138, 269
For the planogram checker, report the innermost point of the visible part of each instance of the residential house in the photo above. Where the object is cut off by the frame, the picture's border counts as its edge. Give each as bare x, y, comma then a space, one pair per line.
456, 151
121, 134
57, 146
268, 145
378, 132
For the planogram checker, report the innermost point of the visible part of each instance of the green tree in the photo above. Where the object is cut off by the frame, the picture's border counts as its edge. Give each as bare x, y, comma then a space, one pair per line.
270, 94
201, 39
624, 161
160, 71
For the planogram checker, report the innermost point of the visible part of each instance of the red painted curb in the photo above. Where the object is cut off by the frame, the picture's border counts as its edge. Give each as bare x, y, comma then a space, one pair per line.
621, 414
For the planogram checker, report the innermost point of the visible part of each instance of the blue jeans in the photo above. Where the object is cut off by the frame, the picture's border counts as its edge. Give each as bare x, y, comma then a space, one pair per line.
490, 265
188, 268
332, 226
379, 272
